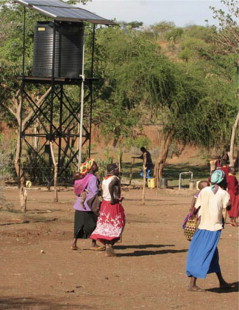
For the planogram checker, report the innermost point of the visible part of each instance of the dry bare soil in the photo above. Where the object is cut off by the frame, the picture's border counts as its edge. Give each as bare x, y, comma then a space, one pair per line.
39, 271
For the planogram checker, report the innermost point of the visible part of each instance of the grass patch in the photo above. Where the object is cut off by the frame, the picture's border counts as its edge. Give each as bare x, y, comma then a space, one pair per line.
170, 172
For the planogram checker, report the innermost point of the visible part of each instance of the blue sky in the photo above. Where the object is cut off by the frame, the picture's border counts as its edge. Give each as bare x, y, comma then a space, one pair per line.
181, 12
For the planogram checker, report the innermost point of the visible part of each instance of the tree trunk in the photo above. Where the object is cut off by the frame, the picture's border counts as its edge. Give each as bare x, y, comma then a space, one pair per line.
120, 159
165, 144
213, 165
131, 171
16, 111
233, 135
36, 138
18, 164
20, 174
23, 195
144, 178
55, 171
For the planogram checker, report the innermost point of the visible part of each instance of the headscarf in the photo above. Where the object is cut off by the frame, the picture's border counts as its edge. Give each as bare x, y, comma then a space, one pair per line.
81, 183
216, 178
86, 166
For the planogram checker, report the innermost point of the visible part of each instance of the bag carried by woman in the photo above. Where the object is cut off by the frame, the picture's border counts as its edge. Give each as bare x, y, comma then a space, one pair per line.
190, 226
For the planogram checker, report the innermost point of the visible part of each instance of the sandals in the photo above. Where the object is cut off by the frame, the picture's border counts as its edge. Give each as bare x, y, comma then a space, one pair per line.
196, 289
98, 248
74, 248
110, 252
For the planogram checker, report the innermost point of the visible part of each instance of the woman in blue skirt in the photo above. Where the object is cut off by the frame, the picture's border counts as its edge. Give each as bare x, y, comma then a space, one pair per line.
203, 255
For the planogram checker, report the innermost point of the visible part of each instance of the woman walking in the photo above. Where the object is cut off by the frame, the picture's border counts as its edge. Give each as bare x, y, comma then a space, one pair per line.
111, 220
85, 187
203, 255
233, 190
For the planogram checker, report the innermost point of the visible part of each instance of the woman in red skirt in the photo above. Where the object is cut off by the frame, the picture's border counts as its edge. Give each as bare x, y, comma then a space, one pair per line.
111, 221
233, 190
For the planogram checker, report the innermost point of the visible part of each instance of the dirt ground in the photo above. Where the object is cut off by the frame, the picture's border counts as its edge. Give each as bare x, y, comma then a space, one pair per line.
39, 271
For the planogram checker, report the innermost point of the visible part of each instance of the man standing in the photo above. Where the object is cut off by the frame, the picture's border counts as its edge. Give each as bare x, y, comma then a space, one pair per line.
111, 221
146, 156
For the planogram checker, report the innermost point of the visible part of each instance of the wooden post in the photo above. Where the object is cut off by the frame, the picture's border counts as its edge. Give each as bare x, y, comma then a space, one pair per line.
233, 135
55, 172
212, 163
131, 171
120, 159
144, 178
23, 195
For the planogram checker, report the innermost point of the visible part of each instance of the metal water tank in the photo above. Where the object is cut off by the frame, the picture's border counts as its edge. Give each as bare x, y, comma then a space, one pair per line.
68, 55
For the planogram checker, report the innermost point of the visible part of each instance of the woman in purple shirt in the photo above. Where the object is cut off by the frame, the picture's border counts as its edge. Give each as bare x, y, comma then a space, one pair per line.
85, 187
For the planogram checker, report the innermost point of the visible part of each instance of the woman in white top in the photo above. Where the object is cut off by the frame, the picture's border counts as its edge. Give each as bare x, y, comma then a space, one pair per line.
203, 255
111, 221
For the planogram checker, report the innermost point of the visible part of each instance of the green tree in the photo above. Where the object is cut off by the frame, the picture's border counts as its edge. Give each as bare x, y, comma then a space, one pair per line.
138, 82
161, 28
228, 31
226, 43
130, 67
11, 51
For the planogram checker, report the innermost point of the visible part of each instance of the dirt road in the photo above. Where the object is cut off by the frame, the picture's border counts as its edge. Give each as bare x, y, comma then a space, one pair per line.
39, 271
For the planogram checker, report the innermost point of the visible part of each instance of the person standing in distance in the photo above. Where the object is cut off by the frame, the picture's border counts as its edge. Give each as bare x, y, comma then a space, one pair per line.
148, 161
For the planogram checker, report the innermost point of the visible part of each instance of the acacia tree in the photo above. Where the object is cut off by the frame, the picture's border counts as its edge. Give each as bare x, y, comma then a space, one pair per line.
11, 99
226, 41
135, 77
15, 108
228, 31
216, 97
11, 51
140, 82
190, 95
208, 98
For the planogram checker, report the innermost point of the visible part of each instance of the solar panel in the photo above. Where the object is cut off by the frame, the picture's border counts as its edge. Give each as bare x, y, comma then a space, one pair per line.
53, 3
64, 12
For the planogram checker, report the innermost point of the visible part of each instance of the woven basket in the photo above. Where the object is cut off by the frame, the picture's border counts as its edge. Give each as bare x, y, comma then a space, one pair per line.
190, 227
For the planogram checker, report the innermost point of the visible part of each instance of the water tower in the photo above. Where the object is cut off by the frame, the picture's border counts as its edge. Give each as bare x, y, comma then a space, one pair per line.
55, 121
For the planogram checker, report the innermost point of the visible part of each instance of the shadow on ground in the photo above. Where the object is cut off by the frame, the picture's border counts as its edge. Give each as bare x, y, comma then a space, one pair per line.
142, 252
15, 303
141, 246
234, 288
145, 253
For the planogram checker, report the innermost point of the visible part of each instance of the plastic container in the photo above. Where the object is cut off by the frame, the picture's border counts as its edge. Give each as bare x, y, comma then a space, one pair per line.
151, 183
163, 183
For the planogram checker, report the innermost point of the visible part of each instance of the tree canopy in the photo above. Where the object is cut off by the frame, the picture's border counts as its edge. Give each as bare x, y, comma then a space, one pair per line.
180, 79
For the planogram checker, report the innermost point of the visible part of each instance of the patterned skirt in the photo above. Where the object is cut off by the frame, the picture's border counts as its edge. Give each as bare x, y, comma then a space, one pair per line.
110, 223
